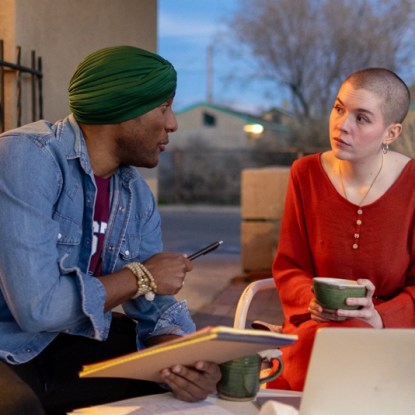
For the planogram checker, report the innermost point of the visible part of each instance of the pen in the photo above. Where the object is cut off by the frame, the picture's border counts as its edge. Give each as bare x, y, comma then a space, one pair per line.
205, 250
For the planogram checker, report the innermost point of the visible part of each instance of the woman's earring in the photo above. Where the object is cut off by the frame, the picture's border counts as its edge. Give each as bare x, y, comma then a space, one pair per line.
385, 148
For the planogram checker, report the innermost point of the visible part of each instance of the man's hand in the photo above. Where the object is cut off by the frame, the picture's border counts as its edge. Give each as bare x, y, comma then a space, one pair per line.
192, 384
169, 271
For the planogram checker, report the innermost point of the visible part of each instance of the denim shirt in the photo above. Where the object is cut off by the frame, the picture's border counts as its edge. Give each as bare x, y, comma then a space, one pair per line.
47, 196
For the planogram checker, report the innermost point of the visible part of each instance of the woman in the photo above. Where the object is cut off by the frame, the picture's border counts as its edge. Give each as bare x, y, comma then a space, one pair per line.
349, 213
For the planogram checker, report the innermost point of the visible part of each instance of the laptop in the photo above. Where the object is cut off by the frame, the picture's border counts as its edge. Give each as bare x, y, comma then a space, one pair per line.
359, 372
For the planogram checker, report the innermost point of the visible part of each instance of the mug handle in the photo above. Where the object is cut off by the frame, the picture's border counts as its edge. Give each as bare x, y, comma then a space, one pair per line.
277, 366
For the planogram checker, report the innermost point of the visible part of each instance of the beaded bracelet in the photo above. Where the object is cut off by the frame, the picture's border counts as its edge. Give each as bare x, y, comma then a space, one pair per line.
145, 281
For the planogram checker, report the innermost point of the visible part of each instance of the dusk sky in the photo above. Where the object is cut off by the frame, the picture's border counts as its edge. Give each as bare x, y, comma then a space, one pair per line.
186, 29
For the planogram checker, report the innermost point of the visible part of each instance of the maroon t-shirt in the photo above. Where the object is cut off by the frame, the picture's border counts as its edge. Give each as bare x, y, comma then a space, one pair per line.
101, 217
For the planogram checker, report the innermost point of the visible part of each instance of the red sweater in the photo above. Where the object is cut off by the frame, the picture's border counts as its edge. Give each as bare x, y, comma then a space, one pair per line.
317, 235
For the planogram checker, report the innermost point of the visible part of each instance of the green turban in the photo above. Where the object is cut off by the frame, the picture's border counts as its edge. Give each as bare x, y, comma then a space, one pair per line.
116, 84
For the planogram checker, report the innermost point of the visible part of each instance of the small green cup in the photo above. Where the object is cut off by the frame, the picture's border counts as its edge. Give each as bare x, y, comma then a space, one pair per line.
331, 293
241, 378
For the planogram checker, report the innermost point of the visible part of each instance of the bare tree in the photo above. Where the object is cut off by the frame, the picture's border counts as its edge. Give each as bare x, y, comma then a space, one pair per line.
310, 46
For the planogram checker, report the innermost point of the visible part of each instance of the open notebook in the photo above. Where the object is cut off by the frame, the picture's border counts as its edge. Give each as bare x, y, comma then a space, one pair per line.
359, 372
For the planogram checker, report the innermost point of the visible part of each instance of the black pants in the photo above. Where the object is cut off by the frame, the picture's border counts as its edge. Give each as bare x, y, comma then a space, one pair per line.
49, 384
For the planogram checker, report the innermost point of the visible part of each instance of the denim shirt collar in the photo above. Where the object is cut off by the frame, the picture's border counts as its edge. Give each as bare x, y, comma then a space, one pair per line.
80, 151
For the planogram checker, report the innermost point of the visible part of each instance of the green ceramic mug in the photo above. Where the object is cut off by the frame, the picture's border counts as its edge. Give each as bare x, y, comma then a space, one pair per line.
331, 293
241, 378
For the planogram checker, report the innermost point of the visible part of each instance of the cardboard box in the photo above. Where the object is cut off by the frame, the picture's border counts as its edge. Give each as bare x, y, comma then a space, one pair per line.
263, 192
259, 240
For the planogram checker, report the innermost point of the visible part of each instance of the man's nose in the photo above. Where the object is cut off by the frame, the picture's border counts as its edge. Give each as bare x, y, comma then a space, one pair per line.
172, 124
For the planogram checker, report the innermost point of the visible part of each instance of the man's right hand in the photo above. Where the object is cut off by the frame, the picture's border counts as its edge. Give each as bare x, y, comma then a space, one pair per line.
169, 271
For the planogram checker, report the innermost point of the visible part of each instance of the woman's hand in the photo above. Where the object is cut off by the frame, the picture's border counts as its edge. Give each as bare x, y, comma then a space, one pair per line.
366, 311
192, 384
321, 314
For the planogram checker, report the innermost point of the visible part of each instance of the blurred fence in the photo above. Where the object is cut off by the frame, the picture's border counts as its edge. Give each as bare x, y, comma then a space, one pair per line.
211, 176
22, 75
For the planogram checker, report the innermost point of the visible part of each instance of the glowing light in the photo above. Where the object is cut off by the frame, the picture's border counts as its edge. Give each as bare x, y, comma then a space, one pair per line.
253, 128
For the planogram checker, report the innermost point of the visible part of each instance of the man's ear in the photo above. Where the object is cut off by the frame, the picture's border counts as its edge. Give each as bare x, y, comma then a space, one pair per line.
392, 134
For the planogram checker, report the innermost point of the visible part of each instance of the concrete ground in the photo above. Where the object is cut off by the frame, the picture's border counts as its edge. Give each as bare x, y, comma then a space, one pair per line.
213, 287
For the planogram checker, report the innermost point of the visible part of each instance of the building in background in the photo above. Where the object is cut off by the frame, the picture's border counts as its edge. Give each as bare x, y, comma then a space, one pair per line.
217, 126
205, 157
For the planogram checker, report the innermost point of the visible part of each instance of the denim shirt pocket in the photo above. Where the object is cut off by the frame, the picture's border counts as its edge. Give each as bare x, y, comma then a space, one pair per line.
130, 248
69, 233
68, 241
68, 213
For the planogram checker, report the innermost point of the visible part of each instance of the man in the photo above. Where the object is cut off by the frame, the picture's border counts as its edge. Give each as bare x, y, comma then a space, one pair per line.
80, 234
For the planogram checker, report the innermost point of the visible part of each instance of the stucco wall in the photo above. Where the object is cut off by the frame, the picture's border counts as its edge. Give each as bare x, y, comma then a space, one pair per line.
63, 32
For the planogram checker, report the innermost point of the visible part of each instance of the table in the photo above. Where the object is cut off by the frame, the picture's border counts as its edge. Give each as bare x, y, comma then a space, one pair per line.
166, 403
250, 407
